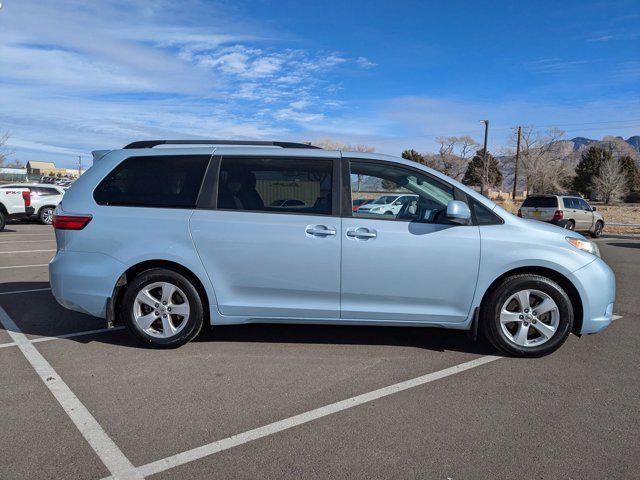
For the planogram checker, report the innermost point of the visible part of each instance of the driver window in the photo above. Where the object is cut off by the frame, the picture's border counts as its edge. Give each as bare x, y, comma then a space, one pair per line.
380, 191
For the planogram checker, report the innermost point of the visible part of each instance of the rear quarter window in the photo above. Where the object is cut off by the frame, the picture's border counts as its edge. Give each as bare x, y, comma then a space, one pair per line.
541, 202
155, 181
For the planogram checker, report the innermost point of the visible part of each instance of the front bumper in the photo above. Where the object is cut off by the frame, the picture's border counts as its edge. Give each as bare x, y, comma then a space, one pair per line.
596, 284
83, 281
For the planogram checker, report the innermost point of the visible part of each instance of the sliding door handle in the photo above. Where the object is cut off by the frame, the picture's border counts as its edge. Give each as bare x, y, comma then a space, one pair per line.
320, 231
362, 233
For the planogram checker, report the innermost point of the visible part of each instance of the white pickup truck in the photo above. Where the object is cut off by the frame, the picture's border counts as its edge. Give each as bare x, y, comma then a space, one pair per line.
14, 203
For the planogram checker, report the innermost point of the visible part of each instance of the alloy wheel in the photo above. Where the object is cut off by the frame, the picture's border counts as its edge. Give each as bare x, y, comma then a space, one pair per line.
47, 216
161, 309
529, 318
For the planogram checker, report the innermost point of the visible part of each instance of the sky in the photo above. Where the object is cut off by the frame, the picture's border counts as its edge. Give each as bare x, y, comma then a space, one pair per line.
83, 75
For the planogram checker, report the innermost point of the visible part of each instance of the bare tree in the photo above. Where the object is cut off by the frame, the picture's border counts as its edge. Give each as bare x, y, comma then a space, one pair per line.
542, 160
611, 183
454, 154
330, 144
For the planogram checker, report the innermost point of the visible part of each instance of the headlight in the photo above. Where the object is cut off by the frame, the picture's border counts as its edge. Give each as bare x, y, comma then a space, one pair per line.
584, 245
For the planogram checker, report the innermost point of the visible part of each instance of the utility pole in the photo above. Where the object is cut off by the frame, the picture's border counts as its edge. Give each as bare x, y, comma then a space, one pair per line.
79, 165
515, 172
485, 167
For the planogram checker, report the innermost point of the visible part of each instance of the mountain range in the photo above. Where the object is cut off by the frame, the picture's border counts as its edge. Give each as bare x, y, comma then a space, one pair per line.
579, 142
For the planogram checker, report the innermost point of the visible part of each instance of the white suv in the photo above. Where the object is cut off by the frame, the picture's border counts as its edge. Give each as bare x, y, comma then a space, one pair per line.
44, 199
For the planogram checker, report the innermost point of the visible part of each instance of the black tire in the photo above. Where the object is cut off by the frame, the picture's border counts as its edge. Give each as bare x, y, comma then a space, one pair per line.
3, 221
193, 323
45, 215
597, 230
570, 225
492, 305
388, 212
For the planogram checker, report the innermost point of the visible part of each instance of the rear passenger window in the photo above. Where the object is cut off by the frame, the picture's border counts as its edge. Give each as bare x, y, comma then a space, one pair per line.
541, 202
276, 185
156, 181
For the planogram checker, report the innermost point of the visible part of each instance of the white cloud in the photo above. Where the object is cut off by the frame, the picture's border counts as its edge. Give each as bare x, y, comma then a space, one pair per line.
364, 62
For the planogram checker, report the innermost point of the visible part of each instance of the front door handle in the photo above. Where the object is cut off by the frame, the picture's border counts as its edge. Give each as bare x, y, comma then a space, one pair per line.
362, 233
319, 231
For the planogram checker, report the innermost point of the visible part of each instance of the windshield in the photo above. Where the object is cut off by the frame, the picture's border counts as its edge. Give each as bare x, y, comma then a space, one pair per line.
385, 199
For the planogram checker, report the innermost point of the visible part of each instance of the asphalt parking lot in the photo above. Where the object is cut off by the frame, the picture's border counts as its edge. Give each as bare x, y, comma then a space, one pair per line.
263, 401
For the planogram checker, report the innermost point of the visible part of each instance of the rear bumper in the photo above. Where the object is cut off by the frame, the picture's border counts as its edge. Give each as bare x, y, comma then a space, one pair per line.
596, 284
83, 281
559, 223
28, 211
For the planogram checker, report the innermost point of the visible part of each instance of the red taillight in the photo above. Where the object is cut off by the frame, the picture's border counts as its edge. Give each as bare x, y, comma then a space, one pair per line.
70, 222
558, 215
26, 196
520, 212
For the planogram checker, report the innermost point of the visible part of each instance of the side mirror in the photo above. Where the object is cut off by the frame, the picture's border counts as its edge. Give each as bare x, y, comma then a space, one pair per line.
593, 209
458, 212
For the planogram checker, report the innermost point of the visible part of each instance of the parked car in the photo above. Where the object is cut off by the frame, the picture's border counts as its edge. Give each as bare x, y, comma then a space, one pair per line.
15, 202
572, 213
44, 199
358, 202
166, 240
386, 204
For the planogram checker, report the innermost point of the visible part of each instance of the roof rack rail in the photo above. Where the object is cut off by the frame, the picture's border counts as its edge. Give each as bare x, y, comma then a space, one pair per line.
153, 143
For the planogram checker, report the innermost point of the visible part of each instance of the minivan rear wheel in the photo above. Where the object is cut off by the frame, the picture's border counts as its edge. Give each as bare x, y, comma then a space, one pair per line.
527, 315
162, 308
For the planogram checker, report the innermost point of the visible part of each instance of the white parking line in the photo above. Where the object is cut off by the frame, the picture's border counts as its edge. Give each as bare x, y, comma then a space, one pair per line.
108, 452
29, 251
26, 291
29, 241
66, 335
27, 266
76, 334
26, 234
279, 426
616, 317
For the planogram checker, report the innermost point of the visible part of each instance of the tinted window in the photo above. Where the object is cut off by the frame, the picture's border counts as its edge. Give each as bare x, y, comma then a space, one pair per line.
276, 185
484, 216
583, 205
163, 181
43, 191
427, 201
541, 202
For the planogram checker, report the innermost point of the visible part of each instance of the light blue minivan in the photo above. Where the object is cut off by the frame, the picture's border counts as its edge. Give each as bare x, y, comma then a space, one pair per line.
165, 236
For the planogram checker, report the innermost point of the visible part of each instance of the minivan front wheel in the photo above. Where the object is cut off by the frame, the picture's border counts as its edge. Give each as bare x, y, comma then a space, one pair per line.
527, 316
162, 308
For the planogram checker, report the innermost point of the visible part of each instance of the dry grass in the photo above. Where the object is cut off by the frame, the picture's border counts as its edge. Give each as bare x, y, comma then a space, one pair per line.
622, 213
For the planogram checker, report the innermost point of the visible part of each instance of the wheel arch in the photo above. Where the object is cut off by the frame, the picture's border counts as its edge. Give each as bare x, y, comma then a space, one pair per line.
554, 275
138, 268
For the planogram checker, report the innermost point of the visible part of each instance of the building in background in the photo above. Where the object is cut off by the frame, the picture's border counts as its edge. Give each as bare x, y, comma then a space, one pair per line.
49, 169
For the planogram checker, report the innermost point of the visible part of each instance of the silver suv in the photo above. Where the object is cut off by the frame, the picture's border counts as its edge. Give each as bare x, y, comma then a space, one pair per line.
572, 213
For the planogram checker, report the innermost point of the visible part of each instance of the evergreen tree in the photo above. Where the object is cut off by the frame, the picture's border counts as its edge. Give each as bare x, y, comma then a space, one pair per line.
475, 171
630, 169
588, 169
